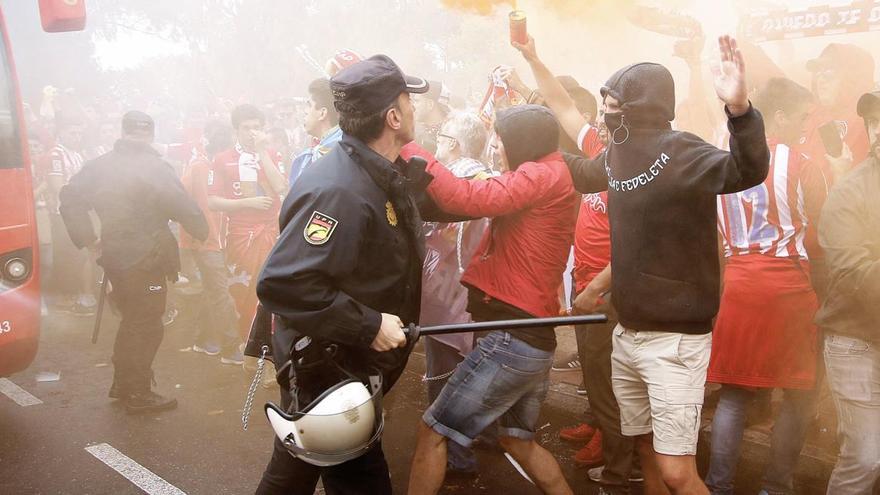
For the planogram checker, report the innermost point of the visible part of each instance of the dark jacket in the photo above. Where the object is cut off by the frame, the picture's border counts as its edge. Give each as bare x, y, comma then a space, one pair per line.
135, 193
849, 232
364, 258
662, 187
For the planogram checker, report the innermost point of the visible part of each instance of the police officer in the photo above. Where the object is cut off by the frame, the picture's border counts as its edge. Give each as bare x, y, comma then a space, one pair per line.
346, 271
135, 194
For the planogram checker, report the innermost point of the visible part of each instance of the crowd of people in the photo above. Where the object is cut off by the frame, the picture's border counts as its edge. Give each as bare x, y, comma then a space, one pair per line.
753, 265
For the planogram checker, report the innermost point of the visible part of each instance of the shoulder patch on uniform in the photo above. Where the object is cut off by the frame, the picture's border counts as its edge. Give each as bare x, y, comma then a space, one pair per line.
320, 228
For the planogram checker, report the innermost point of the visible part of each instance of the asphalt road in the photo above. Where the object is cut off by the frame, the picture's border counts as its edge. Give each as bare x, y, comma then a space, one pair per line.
198, 448
74, 440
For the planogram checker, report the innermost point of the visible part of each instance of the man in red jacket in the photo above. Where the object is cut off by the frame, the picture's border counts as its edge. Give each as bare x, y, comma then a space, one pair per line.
515, 273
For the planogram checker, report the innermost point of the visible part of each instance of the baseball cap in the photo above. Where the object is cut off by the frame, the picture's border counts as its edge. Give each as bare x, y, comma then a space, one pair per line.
867, 103
371, 85
135, 121
841, 56
344, 58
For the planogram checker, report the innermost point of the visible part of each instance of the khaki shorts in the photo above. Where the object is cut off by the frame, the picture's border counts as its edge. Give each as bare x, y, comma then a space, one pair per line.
658, 379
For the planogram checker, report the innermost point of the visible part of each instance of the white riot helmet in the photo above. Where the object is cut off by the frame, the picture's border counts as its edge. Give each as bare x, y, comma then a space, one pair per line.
341, 424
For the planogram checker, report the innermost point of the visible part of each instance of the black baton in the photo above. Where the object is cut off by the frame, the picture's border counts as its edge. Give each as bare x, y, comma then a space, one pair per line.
415, 331
100, 310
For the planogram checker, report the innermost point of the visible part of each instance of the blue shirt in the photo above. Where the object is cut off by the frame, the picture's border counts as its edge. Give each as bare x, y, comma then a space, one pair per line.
305, 159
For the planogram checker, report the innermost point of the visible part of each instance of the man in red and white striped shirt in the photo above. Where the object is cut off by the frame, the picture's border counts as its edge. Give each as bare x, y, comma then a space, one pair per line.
71, 269
764, 335
771, 218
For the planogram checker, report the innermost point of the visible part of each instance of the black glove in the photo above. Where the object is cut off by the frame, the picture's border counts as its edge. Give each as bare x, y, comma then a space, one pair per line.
417, 175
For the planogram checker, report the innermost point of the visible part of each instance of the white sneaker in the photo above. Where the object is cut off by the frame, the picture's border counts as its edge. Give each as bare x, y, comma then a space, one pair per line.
595, 474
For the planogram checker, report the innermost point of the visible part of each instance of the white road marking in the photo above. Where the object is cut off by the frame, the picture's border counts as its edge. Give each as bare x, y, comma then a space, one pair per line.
145, 479
18, 394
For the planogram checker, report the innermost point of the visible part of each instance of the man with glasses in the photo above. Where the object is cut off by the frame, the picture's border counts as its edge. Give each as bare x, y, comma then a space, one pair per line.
449, 248
431, 108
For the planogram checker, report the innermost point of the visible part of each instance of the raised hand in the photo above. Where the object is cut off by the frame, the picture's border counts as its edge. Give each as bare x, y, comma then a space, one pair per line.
516, 83
730, 77
528, 49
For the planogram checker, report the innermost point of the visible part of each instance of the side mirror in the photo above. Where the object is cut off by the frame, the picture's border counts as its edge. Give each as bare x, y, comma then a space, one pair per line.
58, 16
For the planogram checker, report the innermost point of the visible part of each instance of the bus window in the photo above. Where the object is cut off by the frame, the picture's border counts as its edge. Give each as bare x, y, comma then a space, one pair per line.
10, 140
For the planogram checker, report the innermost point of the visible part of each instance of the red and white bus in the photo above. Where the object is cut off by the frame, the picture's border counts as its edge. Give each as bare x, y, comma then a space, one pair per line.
19, 248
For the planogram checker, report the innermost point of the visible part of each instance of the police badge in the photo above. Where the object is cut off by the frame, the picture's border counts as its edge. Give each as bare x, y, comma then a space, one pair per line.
391, 214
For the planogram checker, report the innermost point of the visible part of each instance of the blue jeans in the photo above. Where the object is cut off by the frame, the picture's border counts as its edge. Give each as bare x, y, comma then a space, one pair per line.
789, 432
217, 320
853, 367
502, 379
440, 360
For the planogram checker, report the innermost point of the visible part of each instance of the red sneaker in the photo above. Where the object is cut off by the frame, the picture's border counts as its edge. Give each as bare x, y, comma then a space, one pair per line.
591, 454
580, 433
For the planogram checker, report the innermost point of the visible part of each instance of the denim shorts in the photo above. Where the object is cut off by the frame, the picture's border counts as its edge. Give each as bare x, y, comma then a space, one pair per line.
502, 379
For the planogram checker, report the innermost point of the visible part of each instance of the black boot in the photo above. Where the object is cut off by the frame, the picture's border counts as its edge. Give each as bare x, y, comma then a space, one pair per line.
149, 401
117, 391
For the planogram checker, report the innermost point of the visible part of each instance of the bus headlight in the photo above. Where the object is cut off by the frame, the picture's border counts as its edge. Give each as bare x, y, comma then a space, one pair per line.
16, 269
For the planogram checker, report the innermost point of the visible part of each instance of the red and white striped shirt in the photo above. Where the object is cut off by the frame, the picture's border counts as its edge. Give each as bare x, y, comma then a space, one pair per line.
64, 162
771, 218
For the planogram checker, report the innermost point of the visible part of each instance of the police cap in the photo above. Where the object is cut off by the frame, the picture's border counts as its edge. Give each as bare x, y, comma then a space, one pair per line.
371, 85
137, 122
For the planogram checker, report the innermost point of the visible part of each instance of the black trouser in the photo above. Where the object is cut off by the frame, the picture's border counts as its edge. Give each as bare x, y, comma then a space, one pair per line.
287, 475
139, 294
594, 350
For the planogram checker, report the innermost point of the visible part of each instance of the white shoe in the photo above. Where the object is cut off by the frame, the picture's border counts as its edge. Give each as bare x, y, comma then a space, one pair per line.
595, 474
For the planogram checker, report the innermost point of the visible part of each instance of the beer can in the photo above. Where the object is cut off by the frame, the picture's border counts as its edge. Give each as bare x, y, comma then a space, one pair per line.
518, 31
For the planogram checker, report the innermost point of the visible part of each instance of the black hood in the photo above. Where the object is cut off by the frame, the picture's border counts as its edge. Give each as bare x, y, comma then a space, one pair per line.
646, 93
867, 103
528, 132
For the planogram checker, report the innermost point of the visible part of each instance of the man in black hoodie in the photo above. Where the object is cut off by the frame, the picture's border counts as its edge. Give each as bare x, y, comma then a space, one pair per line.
662, 187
